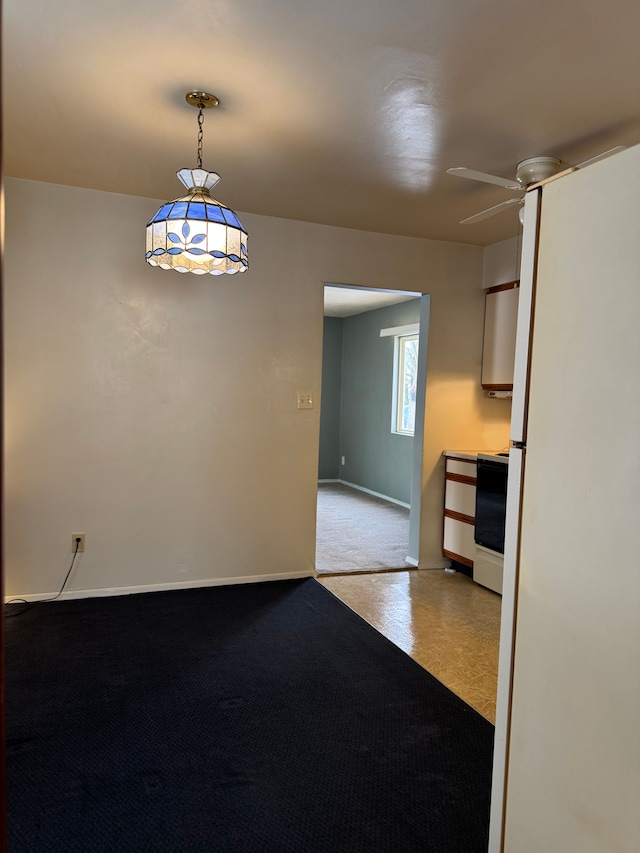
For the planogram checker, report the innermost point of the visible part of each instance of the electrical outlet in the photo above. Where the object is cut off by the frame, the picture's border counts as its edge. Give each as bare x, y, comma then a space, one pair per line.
305, 401
80, 544
342, 461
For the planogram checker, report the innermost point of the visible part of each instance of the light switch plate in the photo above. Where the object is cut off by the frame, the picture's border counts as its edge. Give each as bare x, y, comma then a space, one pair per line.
305, 401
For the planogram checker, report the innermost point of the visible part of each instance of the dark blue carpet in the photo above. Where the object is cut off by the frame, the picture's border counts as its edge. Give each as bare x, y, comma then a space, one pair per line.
263, 718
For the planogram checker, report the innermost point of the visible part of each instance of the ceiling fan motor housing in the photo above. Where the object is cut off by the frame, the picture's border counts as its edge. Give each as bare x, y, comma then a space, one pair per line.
536, 169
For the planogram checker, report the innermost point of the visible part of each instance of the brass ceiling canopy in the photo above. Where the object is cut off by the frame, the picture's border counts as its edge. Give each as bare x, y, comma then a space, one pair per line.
201, 100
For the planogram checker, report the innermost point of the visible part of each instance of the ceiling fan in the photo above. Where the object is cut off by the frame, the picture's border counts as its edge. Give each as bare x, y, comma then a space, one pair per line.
528, 172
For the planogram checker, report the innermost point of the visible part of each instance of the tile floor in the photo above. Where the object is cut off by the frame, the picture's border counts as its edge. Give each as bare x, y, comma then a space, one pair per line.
445, 622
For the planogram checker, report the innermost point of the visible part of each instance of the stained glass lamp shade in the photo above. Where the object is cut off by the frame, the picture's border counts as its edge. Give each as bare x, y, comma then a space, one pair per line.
196, 233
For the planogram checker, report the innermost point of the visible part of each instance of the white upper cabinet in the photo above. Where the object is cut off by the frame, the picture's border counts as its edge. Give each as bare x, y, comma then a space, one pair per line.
500, 319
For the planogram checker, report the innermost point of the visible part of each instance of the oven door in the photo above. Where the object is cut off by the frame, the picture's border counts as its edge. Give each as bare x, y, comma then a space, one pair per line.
491, 504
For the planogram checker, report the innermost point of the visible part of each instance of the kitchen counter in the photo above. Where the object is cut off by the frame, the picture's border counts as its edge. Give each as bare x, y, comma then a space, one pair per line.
471, 455
460, 523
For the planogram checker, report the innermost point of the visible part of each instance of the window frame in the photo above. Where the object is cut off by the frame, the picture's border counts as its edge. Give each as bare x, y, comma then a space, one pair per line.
399, 332
399, 373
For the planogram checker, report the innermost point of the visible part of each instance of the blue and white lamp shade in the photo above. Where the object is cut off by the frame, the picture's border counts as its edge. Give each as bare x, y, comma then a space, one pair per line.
196, 233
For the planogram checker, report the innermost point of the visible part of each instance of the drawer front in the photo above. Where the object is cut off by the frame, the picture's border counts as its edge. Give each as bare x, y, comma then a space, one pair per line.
487, 569
460, 497
458, 538
457, 466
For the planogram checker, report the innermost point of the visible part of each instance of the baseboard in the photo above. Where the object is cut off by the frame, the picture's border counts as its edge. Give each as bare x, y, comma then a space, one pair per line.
412, 562
375, 494
434, 564
328, 481
158, 587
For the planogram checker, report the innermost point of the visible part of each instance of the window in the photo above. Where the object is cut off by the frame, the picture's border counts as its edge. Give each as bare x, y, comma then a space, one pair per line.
404, 392
405, 376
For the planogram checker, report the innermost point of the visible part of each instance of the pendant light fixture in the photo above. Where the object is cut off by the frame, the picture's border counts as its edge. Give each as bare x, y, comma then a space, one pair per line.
196, 233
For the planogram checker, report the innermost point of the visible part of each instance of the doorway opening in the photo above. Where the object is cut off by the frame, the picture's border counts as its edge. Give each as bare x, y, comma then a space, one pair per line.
371, 429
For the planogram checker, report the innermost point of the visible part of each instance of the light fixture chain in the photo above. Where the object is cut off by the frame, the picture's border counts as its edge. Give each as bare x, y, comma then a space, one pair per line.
200, 136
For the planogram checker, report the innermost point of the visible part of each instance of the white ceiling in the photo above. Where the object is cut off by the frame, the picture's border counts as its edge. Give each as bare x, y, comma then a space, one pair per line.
341, 301
344, 113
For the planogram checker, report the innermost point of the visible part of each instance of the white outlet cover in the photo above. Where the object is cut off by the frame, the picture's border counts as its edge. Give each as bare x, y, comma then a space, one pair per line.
81, 544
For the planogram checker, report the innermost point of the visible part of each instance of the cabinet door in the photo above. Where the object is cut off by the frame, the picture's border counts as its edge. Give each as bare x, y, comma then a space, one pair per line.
498, 353
461, 498
458, 543
466, 469
459, 511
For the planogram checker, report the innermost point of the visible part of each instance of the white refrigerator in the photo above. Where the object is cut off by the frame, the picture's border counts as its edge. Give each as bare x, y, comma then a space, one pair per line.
567, 753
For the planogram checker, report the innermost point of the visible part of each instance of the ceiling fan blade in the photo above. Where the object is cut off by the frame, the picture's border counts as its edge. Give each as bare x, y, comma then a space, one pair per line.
601, 156
462, 172
491, 211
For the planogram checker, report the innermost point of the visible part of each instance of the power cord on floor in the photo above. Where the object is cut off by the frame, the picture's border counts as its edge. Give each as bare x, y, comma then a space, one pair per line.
30, 604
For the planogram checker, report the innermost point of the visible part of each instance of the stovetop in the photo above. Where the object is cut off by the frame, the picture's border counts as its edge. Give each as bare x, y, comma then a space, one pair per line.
502, 456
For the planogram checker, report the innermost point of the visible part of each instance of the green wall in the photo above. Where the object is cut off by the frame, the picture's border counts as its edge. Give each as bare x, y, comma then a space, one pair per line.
329, 456
359, 424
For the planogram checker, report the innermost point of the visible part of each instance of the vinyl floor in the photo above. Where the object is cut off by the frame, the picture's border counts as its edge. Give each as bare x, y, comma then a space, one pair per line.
446, 622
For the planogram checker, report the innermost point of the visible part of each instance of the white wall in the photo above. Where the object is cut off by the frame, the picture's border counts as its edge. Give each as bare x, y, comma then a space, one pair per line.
155, 412
501, 262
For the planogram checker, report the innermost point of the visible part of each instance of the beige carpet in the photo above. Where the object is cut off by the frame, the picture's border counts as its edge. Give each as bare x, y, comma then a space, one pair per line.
357, 532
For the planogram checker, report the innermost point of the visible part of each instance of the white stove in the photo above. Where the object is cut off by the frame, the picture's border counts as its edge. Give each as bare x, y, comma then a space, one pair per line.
491, 499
